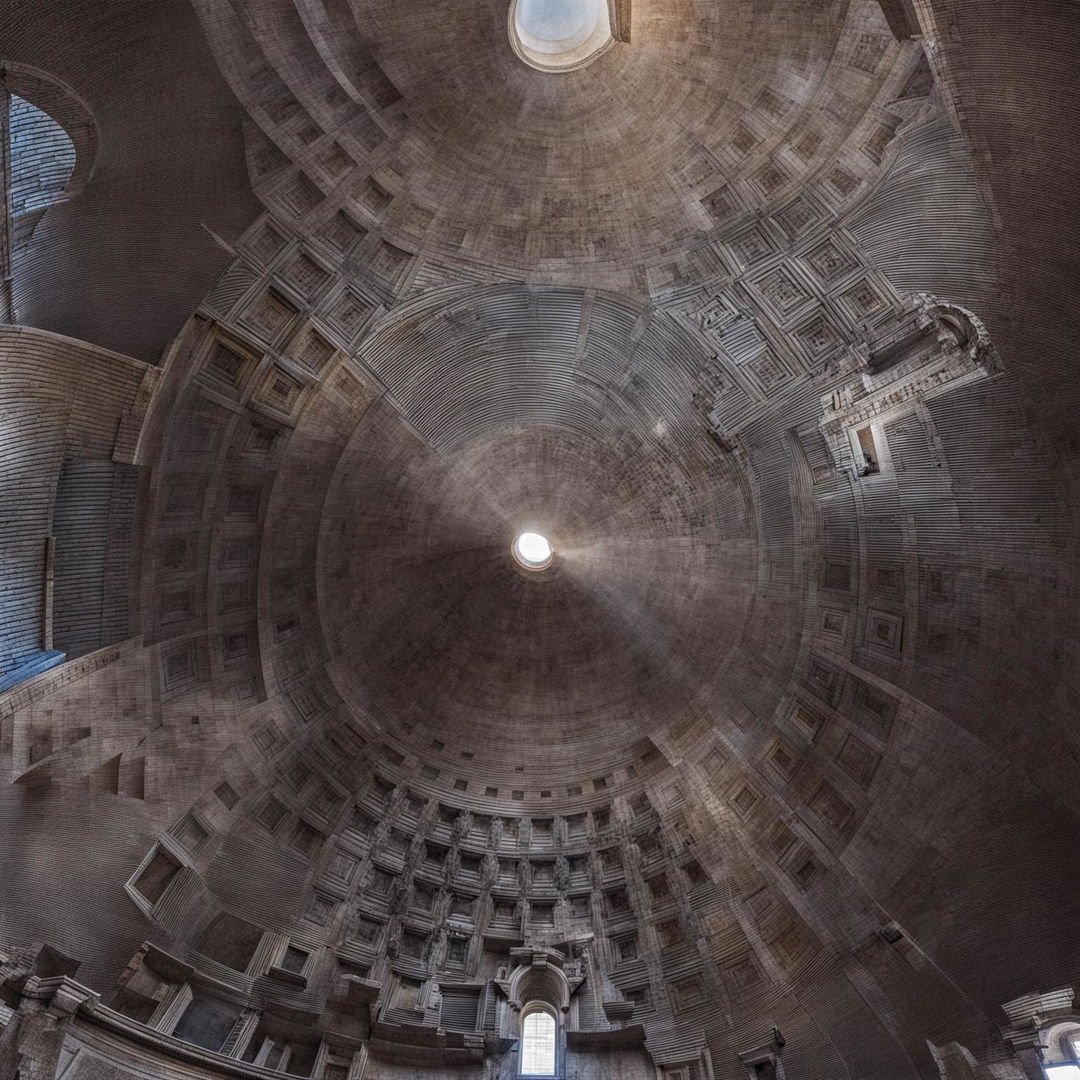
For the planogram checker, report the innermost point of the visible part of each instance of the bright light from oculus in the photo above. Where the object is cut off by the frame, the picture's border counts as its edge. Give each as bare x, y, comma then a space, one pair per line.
559, 35
533, 551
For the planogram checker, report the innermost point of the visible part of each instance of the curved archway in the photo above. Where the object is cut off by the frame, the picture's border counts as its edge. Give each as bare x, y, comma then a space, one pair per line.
1061, 1055
50, 146
53, 144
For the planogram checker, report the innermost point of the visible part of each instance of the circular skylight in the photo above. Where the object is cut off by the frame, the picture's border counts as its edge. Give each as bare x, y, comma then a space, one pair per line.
559, 35
532, 551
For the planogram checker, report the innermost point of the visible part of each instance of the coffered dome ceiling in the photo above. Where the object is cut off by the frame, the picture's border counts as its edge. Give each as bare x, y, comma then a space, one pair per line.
783, 735
421, 118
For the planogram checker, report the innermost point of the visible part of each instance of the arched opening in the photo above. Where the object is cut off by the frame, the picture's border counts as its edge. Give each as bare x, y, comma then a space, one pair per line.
42, 161
539, 1043
1061, 1056
49, 145
560, 35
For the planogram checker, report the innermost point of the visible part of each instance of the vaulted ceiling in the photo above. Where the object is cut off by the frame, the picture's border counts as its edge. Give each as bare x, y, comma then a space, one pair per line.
387, 297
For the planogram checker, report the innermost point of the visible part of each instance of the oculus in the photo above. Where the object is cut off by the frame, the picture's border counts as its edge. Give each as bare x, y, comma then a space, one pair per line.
532, 551
559, 35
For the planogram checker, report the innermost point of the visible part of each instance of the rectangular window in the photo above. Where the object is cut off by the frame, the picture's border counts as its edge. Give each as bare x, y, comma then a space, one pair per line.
867, 451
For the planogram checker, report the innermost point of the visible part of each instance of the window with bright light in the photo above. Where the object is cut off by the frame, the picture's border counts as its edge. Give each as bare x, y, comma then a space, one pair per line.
538, 1044
559, 35
533, 551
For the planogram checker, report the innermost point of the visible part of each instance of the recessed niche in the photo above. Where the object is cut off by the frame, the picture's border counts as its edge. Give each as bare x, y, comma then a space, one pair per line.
230, 941
157, 875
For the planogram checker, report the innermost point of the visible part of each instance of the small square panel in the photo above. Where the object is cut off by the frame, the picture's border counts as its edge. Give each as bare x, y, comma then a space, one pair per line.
842, 181
875, 146
720, 204
769, 371
305, 275
227, 368
784, 759
868, 51
349, 312
837, 575
817, 337
772, 103
858, 760
782, 292
265, 242
336, 161
769, 180
807, 722
269, 315
744, 800
280, 391
807, 145
670, 933
884, 631
743, 141
685, 994
797, 217
390, 262
301, 195
830, 261
715, 314
343, 232
862, 301
179, 667
831, 806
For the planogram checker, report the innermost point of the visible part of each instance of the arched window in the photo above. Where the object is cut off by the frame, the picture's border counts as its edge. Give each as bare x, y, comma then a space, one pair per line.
538, 1044
1061, 1060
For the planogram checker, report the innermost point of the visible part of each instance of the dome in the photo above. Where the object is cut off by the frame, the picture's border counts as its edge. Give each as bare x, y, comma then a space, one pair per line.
539, 540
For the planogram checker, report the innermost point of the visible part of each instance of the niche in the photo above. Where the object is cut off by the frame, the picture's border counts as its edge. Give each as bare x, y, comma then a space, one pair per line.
230, 941
207, 1021
157, 875
869, 450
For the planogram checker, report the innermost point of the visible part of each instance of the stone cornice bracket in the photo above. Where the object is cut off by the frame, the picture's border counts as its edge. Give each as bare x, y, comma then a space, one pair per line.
1030, 1013
39, 962
61, 995
31, 1040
